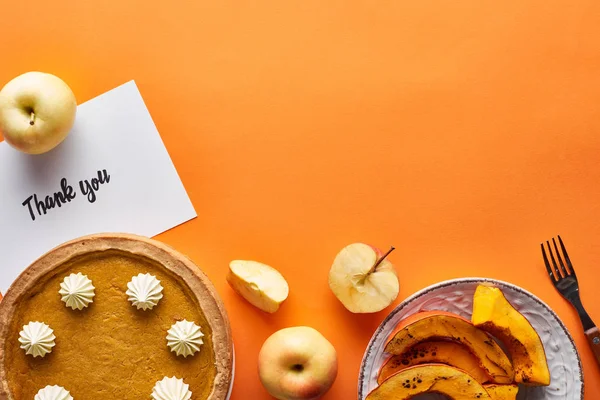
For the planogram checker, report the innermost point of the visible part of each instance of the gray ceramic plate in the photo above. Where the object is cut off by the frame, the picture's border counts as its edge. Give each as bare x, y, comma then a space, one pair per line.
457, 296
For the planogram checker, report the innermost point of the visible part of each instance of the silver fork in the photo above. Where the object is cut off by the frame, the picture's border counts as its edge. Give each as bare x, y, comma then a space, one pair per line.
564, 279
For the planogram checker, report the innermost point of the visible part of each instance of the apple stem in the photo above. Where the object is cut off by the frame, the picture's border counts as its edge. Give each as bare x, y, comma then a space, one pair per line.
31, 121
374, 267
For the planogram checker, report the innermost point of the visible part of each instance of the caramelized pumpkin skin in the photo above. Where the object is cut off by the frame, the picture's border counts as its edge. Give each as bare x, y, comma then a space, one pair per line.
440, 352
502, 392
436, 325
494, 314
429, 378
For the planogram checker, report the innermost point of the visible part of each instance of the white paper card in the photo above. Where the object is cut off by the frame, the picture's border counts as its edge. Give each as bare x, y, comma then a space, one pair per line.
111, 174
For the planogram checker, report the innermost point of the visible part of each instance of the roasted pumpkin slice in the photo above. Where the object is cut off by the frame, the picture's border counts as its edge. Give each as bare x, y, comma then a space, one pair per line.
443, 352
502, 392
494, 314
436, 325
429, 378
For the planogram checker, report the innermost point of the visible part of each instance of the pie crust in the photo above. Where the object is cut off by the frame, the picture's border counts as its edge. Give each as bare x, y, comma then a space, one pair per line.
190, 279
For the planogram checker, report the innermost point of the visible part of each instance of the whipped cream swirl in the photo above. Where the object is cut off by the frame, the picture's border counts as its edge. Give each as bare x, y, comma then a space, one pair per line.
184, 338
171, 389
37, 339
53, 393
144, 291
77, 291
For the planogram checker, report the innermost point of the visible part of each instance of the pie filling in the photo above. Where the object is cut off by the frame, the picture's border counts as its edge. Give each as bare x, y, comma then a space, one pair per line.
109, 349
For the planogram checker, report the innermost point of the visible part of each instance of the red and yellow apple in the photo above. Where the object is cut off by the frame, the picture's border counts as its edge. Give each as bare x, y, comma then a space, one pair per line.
37, 111
297, 363
363, 279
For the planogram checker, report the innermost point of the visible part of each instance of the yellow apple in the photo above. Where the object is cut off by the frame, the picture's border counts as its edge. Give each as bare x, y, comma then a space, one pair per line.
263, 286
37, 111
363, 279
297, 364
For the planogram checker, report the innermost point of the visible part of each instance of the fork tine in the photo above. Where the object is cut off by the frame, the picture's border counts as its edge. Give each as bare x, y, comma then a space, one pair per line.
563, 270
556, 270
566, 255
548, 268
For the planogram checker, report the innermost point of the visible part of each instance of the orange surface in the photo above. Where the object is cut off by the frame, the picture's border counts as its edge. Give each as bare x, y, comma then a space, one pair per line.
462, 132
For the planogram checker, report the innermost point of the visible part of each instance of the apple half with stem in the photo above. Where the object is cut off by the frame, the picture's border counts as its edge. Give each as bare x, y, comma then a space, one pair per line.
37, 111
363, 279
261, 285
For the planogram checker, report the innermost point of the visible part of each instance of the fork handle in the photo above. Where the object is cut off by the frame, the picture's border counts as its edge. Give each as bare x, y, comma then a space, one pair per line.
593, 336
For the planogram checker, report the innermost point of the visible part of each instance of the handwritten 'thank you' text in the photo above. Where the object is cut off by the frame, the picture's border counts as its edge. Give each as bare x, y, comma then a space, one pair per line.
65, 195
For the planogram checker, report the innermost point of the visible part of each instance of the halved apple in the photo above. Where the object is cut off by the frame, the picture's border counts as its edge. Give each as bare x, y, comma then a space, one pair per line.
429, 378
263, 286
502, 392
363, 279
494, 314
435, 325
443, 352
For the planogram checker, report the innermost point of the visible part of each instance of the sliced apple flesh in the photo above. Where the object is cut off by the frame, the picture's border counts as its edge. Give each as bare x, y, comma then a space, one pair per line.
436, 325
363, 279
429, 378
442, 352
261, 285
494, 314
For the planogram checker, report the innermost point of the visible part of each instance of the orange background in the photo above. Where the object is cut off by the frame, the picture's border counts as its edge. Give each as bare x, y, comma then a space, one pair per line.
462, 132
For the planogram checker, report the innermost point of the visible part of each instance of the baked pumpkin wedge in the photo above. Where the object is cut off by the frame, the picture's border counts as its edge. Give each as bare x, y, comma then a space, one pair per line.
429, 378
502, 392
436, 325
494, 314
441, 352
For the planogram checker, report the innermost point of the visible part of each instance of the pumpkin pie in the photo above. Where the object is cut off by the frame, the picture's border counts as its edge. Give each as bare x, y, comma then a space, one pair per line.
109, 348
